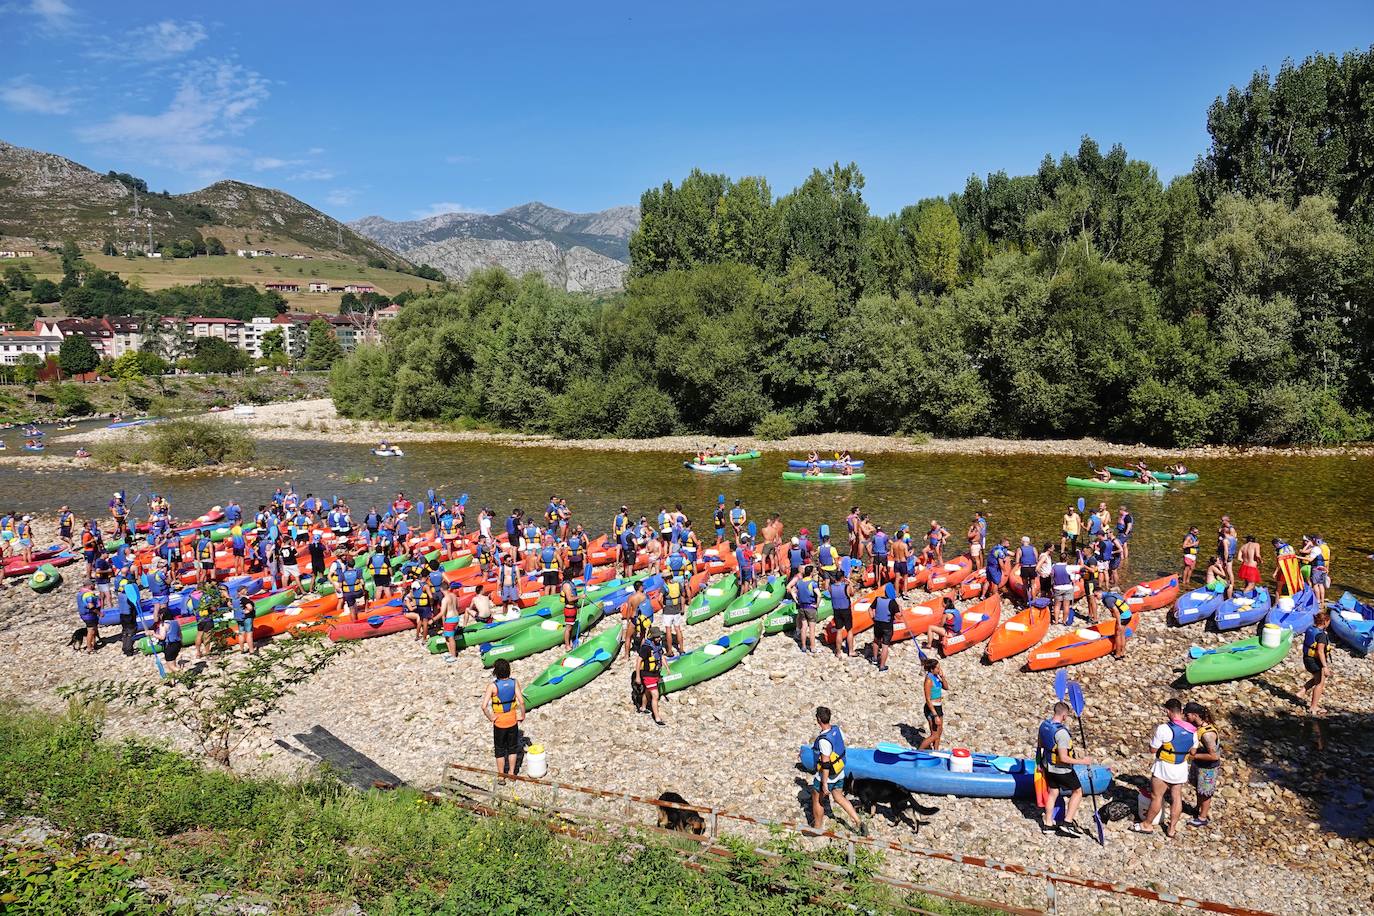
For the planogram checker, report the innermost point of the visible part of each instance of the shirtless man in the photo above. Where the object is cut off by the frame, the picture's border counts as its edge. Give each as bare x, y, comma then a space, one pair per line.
1249, 558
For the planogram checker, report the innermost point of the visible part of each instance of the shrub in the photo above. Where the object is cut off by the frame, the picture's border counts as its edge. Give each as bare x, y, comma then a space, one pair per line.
184, 445
774, 426
71, 401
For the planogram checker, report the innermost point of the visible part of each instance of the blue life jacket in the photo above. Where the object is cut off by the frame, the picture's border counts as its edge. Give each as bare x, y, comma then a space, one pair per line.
1027, 555
505, 693
835, 764
884, 608
352, 582
806, 592
173, 630
794, 557
381, 566
1176, 749
826, 555
839, 598
880, 544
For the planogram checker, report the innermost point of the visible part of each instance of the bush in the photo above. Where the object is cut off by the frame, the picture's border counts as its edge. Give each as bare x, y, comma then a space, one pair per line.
71, 401
774, 426
184, 445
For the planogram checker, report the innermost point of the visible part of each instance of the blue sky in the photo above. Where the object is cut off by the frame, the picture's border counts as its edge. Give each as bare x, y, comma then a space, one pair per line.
410, 108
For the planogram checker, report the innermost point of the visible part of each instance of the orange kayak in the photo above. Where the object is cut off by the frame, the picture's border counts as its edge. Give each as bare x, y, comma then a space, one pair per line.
1018, 634
918, 618
979, 622
863, 617
950, 574
972, 587
1153, 595
1075, 647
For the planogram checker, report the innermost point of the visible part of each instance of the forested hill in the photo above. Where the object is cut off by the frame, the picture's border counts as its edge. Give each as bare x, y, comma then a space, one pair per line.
1232, 304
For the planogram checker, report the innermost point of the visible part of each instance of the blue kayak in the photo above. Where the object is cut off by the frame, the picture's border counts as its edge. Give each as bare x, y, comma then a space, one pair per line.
1199, 604
1352, 622
1244, 609
1298, 617
802, 464
929, 773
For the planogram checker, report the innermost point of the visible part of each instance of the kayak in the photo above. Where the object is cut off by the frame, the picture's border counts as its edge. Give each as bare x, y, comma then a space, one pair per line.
1352, 622
822, 477
977, 624
388, 453
576, 669
738, 456
544, 635
1294, 613
932, 772
801, 464
19, 568
46, 578
1242, 658
713, 599
126, 424
784, 619
1152, 595
705, 662
499, 628
1159, 475
1199, 604
1078, 646
1244, 609
384, 625
1113, 484
711, 468
756, 602
949, 575
1018, 634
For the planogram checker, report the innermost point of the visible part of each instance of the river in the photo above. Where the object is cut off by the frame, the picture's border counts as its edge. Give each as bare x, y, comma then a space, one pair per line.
1024, 494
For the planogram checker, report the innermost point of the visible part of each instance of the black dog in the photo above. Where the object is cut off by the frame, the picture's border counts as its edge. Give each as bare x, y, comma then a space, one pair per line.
870, 793
78, 640
676, 818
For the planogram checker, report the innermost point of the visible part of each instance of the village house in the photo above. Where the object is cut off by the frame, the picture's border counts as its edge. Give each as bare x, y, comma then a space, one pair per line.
283, 286
318, 286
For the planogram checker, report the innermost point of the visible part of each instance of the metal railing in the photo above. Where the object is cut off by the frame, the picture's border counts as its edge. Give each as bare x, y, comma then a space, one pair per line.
469, 792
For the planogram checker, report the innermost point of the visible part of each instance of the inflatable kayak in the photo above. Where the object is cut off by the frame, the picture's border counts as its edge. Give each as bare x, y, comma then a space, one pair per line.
1352, 622
713, 599
756, 602
1112, 484
801, 464
127, 424
576, 669
1019, 633
710, 660
1199, 604
46, 578
1159, 475
784, 619
934, 773
949, 575
711, 468
976, 624
1294, 613
388, 453
19, 568
1244, 609
499, 628
1242, 658
1152, 595
1074, 648
542, 636
738, 456
822, 477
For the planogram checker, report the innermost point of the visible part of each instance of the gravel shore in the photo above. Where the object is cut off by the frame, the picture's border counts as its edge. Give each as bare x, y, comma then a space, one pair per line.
732, 742
318, 420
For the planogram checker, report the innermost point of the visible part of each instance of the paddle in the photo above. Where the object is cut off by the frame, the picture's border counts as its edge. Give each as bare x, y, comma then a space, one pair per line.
1199, 652
1081, 504
1077, 704
1061, 684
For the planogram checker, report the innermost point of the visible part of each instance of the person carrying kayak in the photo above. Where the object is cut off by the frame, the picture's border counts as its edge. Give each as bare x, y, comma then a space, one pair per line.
503, 704
1171, 743
1316, 643
1205, 761
1056, 759
934, 684
829, 750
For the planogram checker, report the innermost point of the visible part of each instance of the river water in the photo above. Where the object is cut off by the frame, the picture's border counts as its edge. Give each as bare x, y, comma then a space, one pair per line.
1022, 494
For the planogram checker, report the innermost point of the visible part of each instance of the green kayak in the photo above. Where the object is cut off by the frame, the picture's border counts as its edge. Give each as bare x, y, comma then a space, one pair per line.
713, 599
46, 578
822, 477
474, 634
1159, 475
705, 662
1242, 658
784, 619
740, 456
576, 669
540, 637
756, 602
1113, 484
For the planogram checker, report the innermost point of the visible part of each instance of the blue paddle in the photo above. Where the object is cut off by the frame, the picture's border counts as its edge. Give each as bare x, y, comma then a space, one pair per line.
1077, 704
1081, 504
1199, 652
1061, 684
463, 500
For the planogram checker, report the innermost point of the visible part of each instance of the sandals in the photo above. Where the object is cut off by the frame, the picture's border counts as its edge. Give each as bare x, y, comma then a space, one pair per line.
1137, 828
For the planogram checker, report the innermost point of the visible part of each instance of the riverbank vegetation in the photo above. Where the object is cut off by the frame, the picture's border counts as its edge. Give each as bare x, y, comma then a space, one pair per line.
134, 392
181, 445
317, 845
1230, 305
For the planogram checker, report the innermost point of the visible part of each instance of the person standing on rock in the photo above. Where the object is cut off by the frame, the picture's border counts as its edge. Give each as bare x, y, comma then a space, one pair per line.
934, 685
453, 618
504, 707
1316, 643
1249, 557
1171, 743
842, 603
805, 591
885, 609
630, 611
648, 673
1125, 528
880, 547
1055, 757
1205, 761
829, 750
1190, 545
739, 520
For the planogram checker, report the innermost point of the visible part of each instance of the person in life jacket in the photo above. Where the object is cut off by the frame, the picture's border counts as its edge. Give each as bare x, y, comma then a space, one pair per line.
351, 588
548, 568
380, 566
719, 517
1171, 742
691, 544
828, 559
1055, 758
420, 603
88, 609
205, 559
842, 604
570, 606
805, 589
504, 706
1116, 605
648, 673
1318, 557
203, 613
241, 607
1316, 643
828, 748
1205, 760
744, 564
674, 614
739, 519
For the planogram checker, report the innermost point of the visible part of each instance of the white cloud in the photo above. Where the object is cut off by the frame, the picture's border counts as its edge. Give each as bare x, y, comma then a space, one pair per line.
267, 163
340, 197
315, 175
20, 94
442, 207
214, 101
460, 159
53, 12
165, 40
315, 150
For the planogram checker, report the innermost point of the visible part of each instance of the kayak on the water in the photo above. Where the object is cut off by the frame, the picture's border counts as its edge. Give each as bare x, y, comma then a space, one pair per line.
1159, 475
822, 477
731, 456
803, 464
1113, 484
710, 468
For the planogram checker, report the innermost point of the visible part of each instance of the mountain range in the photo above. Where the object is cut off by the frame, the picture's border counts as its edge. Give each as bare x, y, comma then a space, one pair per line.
578, 251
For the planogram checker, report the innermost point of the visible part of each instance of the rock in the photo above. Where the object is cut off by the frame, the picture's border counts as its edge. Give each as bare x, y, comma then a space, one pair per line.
29, 831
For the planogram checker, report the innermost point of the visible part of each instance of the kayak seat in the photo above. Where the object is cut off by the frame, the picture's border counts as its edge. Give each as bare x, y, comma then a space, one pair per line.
711, 650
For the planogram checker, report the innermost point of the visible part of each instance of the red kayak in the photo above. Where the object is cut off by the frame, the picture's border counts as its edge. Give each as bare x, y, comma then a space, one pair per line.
363, 629
214, 515
1153, 595
27, 569
979, 622
950, 574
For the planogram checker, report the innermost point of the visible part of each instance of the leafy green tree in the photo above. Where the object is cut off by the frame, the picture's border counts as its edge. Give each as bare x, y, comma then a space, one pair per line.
76, 356
27, 369
44, 291
273, 346
322, 348
935, 243
19, 278
212, 355
822, 224
15, 312
213, 246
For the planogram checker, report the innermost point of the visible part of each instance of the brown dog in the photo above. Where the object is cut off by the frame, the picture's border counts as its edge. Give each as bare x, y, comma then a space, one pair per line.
676, 818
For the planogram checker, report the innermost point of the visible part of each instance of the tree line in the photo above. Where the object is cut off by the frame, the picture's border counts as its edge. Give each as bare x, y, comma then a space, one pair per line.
1230, 304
